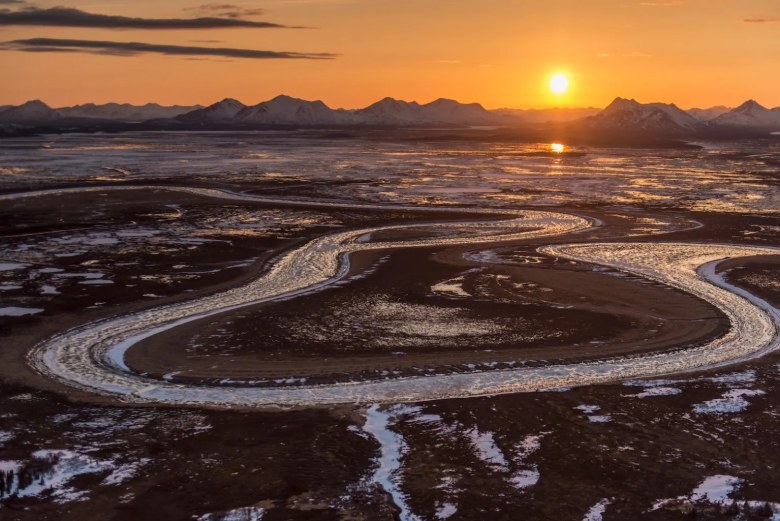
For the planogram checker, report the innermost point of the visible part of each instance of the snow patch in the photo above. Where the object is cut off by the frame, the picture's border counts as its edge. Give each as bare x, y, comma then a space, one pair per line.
11, 266
16, 311
451, 287
525, 478
596, 512
238, 514
486, 448
715, 489
742, 377
63, 466
125, 472
445, 510
392, 448
730, 402
656, 391
594, 418
47, 289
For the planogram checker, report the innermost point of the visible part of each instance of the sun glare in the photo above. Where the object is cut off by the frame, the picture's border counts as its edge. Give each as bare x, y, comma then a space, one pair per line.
559, 83
557, 148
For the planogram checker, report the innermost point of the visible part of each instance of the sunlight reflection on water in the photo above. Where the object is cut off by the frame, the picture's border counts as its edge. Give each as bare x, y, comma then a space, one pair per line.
726, 177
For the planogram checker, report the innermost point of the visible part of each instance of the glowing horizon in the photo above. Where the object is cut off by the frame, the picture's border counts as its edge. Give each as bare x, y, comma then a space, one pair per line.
350, 54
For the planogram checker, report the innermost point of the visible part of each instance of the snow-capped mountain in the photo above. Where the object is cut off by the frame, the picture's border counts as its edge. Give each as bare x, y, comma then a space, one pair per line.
125, 111
630, 116
288, 111
393, 112
389, 111
284, 110
32, 112
450, 111
624, 120
708, 114
221, 112
750, 114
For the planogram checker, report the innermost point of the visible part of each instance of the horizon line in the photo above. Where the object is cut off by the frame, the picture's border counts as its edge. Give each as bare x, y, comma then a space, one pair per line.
539, 108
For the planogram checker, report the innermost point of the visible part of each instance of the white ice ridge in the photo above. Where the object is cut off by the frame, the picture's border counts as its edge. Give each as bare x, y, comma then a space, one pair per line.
91, 357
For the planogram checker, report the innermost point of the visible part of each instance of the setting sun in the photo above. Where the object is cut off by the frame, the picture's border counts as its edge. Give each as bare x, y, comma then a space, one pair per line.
559, 83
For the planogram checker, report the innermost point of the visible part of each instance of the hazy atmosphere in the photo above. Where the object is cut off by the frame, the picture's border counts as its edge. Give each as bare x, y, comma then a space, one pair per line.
694, 53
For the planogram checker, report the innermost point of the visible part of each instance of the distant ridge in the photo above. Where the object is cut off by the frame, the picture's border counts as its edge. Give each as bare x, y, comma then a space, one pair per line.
708, 113
750, 114
218, 112
389, 112
34, 111
289, 111
554, 115
630, 116
124, 111
622, 121
37, 112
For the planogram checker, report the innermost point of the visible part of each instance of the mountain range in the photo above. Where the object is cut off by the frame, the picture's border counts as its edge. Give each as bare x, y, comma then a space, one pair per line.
623, 118
389, 112
37, 112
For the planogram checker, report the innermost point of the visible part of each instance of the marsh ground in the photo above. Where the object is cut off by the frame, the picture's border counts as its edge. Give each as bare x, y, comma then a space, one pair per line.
700, 444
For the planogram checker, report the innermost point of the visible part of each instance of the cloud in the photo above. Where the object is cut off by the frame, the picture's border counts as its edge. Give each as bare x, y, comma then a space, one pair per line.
7, 2
670, 3
68, 17
761, 20
137, 48
227, 10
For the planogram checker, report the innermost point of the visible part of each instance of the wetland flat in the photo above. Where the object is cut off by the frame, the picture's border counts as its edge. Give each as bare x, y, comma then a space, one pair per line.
225, 326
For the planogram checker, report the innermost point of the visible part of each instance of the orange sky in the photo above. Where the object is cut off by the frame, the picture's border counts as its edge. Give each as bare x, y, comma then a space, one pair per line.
499, 53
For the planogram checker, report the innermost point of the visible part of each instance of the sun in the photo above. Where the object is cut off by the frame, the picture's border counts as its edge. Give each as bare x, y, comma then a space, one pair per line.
559, 83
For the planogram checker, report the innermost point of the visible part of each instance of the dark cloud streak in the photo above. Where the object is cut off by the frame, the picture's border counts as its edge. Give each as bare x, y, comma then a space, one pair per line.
136, 48
68, 17
761, 20
228, 10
